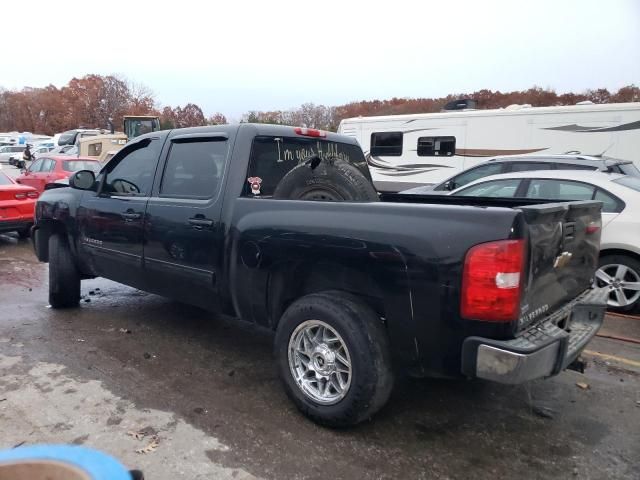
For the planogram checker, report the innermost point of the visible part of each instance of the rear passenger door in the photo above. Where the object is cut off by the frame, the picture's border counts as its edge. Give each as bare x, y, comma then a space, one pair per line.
183, 234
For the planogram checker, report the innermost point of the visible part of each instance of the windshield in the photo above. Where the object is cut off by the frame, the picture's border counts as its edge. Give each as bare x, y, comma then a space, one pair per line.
76, 165
631, 182
67, 138
135, 128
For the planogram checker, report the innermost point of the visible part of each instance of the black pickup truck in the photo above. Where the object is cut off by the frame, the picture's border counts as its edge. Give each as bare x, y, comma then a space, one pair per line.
281, 226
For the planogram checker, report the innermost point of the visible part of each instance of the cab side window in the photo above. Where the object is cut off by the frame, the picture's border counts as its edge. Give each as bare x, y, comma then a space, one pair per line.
131, 171
194, 169
494, 188
48, 165
36, 166
559, 190
474, 174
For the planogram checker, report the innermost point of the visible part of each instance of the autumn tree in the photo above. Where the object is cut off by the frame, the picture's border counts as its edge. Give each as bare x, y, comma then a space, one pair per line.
217, 119
92, 100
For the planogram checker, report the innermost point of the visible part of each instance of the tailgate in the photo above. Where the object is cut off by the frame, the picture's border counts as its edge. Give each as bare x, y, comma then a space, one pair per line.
564, 244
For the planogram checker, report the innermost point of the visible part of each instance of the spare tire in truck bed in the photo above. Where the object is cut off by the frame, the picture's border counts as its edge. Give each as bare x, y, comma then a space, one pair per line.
328, 179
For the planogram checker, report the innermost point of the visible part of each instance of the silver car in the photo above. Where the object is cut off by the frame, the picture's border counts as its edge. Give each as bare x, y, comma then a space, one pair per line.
9, 151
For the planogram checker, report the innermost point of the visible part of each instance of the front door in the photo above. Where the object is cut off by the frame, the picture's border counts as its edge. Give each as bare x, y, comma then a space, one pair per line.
184, 238
111, 220
29, 176
42, 177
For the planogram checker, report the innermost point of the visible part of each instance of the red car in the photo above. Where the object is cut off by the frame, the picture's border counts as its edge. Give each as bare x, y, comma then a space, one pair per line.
17, 204
49, 169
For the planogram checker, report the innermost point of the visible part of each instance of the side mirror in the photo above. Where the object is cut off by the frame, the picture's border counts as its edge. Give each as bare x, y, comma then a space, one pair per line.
23, 171
82, 180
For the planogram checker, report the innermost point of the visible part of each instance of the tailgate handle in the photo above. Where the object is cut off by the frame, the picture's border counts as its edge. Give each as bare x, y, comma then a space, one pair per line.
569, 230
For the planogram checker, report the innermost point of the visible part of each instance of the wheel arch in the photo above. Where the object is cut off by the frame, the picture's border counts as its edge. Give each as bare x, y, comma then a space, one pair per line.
292, 280
43, 231
619, 251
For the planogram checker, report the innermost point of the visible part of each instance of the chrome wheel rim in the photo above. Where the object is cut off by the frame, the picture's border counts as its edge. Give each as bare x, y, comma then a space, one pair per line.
623, 284
320, 362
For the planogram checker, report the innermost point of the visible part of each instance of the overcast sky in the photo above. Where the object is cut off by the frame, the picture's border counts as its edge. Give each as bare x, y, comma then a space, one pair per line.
236, 56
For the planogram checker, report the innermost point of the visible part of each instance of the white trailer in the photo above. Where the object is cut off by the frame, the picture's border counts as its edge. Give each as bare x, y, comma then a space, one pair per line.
404, 151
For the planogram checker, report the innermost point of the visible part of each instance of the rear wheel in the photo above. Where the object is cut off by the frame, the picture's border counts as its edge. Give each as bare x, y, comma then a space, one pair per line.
621, 275
333, 358
64, 278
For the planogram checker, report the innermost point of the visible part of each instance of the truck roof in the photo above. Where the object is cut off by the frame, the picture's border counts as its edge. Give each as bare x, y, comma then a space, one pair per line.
262, 129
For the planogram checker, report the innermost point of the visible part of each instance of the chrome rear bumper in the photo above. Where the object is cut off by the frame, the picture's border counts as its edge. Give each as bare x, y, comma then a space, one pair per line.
544, 349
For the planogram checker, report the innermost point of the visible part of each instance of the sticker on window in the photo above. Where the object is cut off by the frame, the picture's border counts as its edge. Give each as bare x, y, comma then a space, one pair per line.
255, 184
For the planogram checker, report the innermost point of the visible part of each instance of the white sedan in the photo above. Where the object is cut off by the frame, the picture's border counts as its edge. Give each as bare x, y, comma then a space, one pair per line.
620, 241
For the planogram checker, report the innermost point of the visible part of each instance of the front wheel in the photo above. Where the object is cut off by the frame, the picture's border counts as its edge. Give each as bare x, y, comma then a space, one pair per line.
333, 357
64, 278
621, 275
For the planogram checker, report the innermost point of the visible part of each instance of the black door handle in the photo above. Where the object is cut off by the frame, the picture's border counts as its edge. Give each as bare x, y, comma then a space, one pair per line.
129, 216
200, 222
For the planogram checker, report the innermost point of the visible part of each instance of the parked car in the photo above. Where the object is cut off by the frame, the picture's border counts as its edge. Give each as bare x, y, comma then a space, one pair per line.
9, 151
282, 226
17, 203
49, 169
16, 159
526, 163
620, 244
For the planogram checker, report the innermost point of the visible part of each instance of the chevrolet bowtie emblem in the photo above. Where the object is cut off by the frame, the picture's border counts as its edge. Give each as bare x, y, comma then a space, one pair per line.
562, 260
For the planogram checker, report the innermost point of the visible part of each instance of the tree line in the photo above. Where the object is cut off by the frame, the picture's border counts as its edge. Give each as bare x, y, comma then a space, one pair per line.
93, 100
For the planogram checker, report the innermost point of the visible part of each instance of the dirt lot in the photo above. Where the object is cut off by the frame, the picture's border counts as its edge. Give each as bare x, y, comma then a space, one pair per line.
127, 362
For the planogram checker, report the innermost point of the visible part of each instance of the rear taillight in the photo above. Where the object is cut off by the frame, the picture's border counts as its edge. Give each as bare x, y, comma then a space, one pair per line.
592, 228
20, 196
310, 132
492, 281
32, 194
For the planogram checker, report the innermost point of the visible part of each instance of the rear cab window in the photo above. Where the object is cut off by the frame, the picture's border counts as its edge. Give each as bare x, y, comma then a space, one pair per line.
272, 157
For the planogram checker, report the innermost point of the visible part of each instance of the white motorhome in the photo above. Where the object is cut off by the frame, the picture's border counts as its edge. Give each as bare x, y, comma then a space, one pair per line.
404, 151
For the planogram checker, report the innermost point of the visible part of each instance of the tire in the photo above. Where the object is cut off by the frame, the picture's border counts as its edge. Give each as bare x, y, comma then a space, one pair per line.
64, 278
359, 329
616, 272
329, 180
